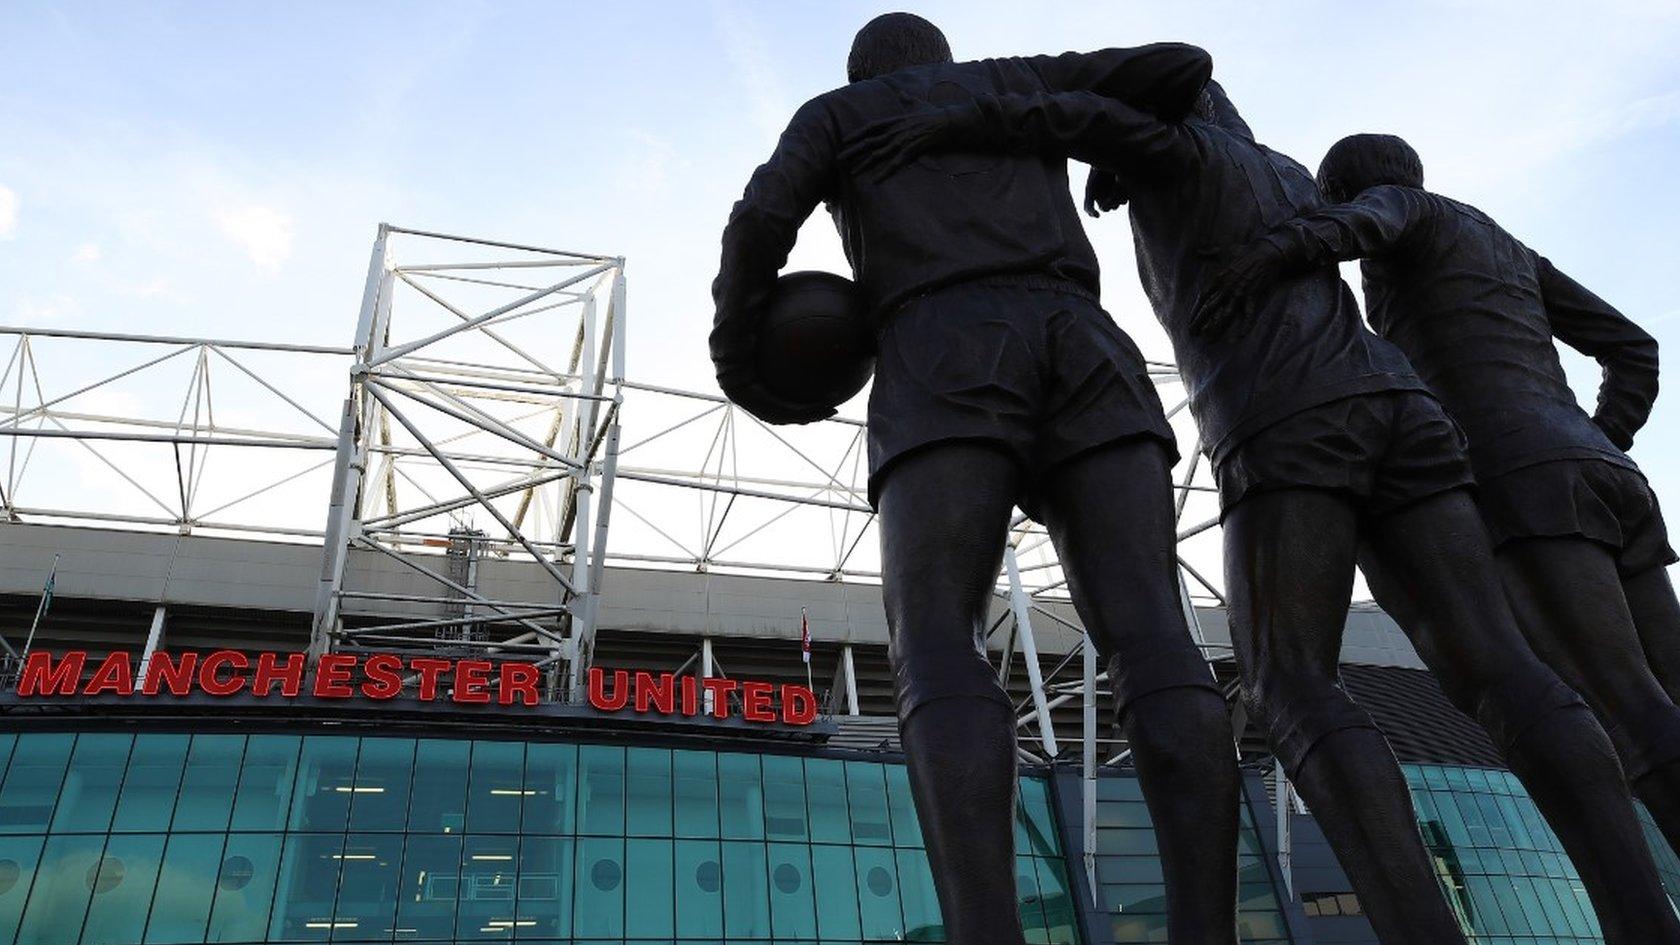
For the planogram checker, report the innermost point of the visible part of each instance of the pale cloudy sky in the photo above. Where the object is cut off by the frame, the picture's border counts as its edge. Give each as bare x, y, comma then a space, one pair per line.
219, 169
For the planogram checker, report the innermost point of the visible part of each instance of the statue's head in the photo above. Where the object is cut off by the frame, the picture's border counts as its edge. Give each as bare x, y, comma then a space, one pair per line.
1357, 163
894, 41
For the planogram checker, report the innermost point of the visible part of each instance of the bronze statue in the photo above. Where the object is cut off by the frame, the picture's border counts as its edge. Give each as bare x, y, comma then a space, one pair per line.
999, 381
1577, 531
1327, 449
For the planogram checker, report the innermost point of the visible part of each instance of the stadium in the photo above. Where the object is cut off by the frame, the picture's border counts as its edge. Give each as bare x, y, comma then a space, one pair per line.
464, 632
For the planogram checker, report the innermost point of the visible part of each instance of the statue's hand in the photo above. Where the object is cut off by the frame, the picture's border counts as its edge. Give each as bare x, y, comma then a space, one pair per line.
1619, 438
1105, 192
1231, 294
887, 146
743, 386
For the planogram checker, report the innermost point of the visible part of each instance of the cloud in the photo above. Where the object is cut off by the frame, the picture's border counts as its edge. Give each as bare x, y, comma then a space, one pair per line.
263, 233
8, 212
159, 287
87, 252
52, 309
749, 60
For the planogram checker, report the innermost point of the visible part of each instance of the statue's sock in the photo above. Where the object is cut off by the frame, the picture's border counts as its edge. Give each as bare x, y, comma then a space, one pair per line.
961, 754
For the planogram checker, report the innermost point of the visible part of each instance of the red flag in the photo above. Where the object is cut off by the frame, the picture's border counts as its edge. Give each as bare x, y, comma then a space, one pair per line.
804, 636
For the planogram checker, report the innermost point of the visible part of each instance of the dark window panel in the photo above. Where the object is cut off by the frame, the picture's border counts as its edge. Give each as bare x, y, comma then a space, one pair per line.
307, 888
740, 797
825, 790
785, 813
430, 886
326, 780
489, 889
866, 797
32, 782
495, 787
543, 898
694, 783
601, 790
384, 770
370, 869
551, 789
438, 803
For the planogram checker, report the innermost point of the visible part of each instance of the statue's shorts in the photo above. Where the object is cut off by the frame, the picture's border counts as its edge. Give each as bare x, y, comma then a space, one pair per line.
1580, 498
1387, 450
1030, 364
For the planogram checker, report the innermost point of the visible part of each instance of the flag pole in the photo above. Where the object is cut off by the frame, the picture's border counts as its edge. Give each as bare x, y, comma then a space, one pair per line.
41, 608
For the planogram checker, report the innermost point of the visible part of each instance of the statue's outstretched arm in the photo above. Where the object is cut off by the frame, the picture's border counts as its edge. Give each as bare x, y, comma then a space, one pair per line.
1627, 352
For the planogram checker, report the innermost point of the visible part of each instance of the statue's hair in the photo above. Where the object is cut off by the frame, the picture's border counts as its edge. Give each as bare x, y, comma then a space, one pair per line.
894, 41
1357, 163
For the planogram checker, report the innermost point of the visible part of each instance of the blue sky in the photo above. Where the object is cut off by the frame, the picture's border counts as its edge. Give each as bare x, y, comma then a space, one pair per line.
219, 169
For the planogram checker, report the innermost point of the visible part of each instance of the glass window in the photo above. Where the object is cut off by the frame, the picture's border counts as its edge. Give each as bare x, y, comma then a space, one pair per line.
550, 788
922, 922
599, 898
740, 797
834, 878
439, 803
784, 798
379, 800
308, 884
1037, 821
1118, 897
746, 895
186, 882
601, 790
431, 881
123, 883
648, 908
699, 882
543, 897
245, 887
877, 892
694, 782
1057, 899
18, 857
265, 782
792, 908
59, 898
495, 787
7, 740
89, 793
32, 782
866, 796
326, 780
206, 797
367, 888
155, 766
825, 789
648, 792
489, 867
901, 808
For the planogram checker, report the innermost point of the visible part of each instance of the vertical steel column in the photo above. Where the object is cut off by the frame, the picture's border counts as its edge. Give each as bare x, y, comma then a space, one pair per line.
1284, 835
1022, 606
154, 639
583, 630
1088, 760
706, 670
849, 673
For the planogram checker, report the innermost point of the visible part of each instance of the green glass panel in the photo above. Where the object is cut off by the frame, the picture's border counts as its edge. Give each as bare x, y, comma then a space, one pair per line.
825, 792
439, 801
326, 780
431, 882
740, 797
18, 859
551, 788
901, 808
88, 796
746, 893
32, 782
1031, 900
834, 878
694, 783
7, 740
648, 792
543, 904
308, 885
922, 922
699, 888
367, 888
122, 889
245, 887
866, 797
265, 782
379, 800
155, 767
205, 800
649, 903
598, 899
877, 892
59, 898
793, 910
601, 790
1035, 815
186, 884
495, 787
1057, 899
785, 817
489, 870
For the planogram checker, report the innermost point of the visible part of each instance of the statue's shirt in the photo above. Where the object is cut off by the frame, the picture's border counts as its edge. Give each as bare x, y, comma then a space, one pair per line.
1476, 311
945, 219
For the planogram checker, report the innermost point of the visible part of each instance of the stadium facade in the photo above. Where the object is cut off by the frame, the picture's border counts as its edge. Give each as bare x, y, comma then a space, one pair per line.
453, 715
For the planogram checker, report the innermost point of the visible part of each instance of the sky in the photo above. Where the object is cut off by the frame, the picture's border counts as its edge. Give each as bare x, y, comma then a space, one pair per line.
219, 169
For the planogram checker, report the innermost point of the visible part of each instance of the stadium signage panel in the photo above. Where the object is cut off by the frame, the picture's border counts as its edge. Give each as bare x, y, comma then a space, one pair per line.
380, 677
